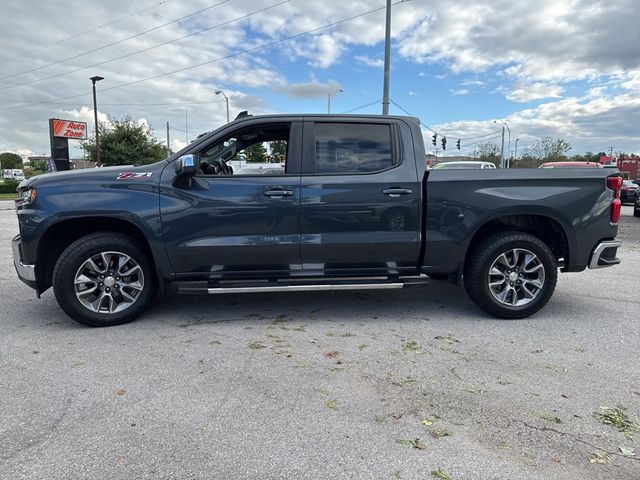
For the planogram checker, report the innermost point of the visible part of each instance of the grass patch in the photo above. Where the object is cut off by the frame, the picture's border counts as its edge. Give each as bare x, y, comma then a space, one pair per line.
441, 433
617, 418
331, 404
8, 196
348, 334
440, 474
450, 339
280, 319
215, 343
299, 328
411, 346
256, 345
415, 443
362, 346
548, 417
600, 458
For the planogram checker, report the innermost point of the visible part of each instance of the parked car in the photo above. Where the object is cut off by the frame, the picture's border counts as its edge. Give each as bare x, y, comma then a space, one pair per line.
354, 209
271, 169
570, 165
628, 191
463, 165
636, 204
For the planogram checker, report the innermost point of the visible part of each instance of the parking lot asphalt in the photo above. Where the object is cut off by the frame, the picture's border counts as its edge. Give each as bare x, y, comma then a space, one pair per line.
384, 384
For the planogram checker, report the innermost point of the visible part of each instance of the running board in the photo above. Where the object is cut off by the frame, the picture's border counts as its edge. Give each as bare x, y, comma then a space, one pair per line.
306, 288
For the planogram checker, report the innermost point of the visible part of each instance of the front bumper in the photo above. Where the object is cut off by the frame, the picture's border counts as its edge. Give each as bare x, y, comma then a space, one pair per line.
604, 255
26, 273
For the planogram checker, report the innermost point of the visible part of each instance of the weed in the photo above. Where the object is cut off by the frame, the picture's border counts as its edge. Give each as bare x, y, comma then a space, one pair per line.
410, 346
440, 474
427, 422
450, 339
332, 404
599, 458
617, 418
256, 345
454, 374
415, 443
348, 334
215, 342
362, 346
441, 433
299, 328
280, 319
322, 391
548, 417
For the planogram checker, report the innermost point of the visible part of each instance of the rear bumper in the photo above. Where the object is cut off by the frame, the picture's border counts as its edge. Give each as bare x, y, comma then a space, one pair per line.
604, 254
26, 272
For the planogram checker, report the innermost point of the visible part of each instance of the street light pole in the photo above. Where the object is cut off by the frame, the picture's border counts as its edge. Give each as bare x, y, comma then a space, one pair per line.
387, 61
95, 117
330, 95
226, 99
516, 152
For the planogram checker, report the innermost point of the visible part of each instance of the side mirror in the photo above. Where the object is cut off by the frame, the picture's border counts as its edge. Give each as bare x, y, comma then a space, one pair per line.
186, 166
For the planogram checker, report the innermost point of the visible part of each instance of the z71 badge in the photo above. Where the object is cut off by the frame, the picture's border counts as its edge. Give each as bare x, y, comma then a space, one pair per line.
134, 175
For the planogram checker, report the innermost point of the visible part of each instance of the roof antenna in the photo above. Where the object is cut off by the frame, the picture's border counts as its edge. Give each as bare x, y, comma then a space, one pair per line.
243, 114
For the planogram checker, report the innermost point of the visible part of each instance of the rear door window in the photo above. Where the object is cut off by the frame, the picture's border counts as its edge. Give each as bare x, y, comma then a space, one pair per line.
351, 148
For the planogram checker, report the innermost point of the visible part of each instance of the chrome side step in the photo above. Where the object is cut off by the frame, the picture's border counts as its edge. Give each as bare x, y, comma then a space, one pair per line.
307, 288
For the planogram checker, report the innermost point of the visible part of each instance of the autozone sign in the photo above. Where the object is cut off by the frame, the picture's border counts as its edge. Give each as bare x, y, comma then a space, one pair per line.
69, 129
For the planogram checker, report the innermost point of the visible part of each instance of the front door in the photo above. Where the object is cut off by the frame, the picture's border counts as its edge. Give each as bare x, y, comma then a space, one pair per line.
239, 216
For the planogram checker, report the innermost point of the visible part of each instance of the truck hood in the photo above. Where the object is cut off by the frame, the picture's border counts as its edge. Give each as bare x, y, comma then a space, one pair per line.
120, 172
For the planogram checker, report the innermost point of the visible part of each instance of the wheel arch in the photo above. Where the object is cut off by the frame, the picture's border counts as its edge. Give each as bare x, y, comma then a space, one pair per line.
547, 228
58, 236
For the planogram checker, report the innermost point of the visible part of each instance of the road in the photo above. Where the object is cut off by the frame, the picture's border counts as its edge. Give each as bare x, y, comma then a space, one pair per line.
321, 385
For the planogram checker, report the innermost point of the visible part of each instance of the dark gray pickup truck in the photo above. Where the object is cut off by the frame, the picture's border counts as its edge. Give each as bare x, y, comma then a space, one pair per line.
350, 206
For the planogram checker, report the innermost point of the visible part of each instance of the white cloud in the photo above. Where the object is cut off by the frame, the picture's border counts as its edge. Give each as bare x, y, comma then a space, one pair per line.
460, 92
535, 91
312, 89
412, 93
370, 62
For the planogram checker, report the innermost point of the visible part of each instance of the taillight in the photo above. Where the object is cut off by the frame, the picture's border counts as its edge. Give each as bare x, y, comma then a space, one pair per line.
615, 183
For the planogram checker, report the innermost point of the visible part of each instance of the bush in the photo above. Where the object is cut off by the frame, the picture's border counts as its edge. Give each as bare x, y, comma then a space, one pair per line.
9, 186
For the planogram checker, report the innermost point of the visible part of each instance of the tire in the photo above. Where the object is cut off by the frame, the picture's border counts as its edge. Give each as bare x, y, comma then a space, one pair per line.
636, 212
102, 301
521, 283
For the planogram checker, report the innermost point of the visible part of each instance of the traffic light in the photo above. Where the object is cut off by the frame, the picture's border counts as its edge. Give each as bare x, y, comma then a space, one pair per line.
458, 144
435, 138
444, 143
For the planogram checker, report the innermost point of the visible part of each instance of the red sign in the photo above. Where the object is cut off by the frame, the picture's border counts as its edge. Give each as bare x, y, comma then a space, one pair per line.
69, 129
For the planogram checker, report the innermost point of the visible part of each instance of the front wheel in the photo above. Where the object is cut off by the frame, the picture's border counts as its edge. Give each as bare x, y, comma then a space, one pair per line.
511, 275
104, 279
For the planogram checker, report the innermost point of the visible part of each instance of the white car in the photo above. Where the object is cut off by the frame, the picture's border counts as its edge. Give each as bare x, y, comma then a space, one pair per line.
463, 165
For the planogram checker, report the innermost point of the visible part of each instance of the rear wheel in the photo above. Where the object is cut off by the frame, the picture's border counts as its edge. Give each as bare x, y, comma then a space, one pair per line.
104, 279
636, 211
511, 275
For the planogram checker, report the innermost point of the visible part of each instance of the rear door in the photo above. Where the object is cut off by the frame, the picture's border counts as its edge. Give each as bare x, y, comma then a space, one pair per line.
360, 196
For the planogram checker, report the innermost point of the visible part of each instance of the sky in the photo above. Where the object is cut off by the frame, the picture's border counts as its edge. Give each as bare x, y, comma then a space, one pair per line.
561, 68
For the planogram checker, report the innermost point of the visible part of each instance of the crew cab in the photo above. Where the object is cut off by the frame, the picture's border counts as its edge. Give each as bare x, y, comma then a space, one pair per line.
353, 207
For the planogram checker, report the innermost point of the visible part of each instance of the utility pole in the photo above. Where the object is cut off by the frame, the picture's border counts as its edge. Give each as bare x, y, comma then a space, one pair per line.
168, 143
611, 153
516, 154
502, 150
387, 61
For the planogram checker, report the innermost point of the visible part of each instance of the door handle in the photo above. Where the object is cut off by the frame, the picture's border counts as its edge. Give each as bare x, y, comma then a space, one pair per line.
396, 192
277, 193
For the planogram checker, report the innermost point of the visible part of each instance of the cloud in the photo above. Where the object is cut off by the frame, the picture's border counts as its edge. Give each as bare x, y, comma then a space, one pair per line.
460, 92
535, 91
370, 62
312, 89
412, 93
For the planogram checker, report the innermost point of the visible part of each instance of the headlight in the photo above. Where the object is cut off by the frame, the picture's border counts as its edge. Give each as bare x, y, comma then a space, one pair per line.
27, 196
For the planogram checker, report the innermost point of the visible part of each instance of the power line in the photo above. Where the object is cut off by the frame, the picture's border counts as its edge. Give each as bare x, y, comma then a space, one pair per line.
363, 106
116, 42
58, 42
231, 55
148, 48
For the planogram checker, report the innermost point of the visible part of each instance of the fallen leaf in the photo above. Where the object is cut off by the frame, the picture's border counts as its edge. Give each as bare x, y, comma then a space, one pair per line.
331, 354
427, 422
121, 391
627, 451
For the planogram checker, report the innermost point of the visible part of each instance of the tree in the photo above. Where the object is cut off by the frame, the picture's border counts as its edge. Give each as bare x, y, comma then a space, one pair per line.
125, 142
488, 152
278, 147
10, 160
256, 153
548, 149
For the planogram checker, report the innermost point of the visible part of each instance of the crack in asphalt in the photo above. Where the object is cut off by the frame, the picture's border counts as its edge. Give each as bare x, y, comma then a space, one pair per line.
577, 439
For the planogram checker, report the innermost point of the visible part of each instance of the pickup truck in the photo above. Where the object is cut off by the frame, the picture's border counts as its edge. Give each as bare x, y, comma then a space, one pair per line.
353, 207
